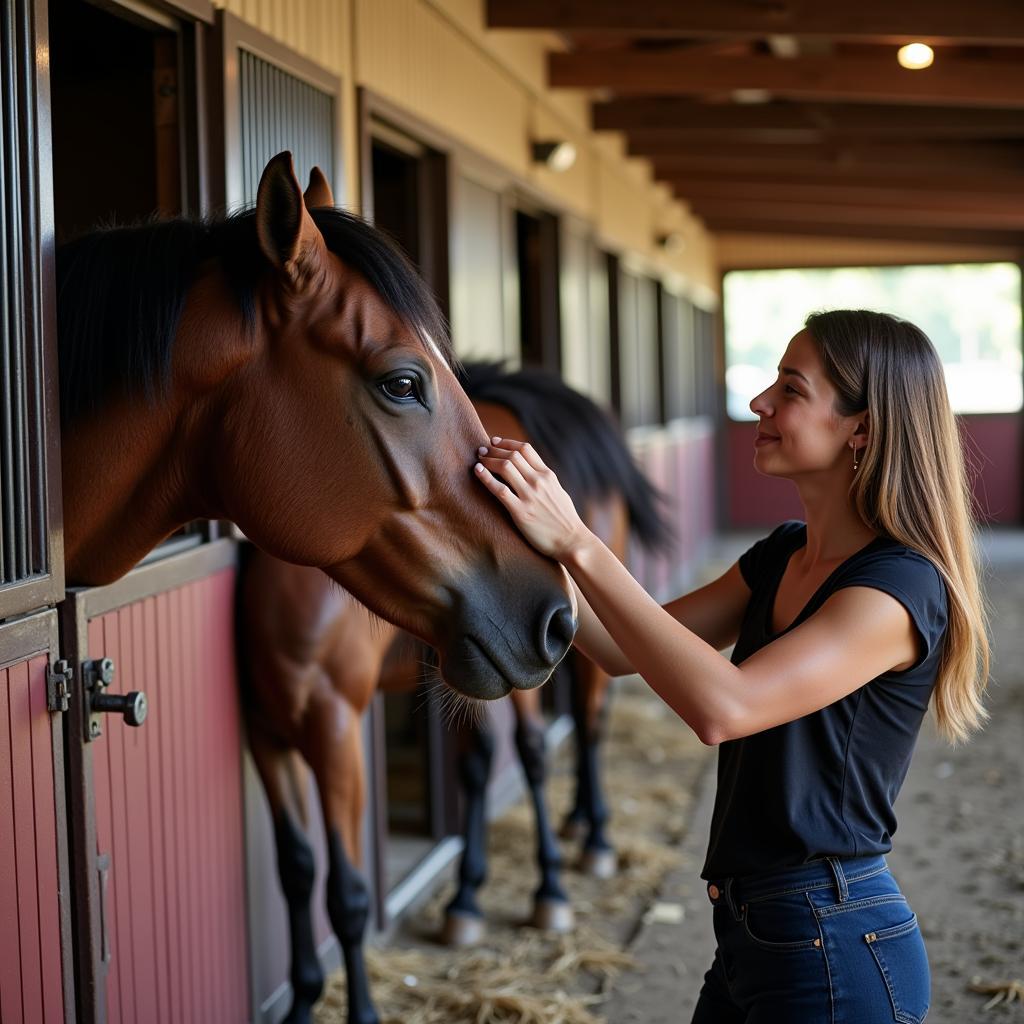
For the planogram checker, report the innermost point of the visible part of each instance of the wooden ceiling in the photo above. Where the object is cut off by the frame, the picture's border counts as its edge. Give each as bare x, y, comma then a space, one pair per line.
793, 116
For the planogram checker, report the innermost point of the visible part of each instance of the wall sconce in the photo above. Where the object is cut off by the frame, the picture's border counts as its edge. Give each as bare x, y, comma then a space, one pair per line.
555, 155
672, 243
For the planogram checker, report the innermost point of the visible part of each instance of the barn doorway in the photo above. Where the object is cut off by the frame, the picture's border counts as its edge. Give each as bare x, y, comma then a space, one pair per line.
116, 90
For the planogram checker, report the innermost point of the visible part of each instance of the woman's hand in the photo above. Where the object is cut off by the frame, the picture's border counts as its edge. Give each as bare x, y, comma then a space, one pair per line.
516, 475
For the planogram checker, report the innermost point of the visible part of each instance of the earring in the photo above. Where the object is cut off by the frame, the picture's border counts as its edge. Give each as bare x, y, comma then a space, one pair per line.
856, 458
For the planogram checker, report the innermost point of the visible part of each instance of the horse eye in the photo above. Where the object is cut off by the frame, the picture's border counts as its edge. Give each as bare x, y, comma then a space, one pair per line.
401, 389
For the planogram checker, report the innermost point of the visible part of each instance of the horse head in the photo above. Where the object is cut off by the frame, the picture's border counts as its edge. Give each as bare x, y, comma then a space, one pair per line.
310, 399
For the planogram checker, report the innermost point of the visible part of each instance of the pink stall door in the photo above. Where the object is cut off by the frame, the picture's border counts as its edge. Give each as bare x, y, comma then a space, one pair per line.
168, 811
35, 968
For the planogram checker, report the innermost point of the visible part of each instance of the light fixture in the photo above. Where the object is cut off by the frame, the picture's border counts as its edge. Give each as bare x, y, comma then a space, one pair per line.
555, 154
671, 242
915, 56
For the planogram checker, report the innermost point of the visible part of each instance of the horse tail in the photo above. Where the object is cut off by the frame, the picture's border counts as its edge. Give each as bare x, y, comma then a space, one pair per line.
579, 440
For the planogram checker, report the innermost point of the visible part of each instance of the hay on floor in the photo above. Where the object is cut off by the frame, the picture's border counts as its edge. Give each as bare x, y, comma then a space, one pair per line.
521, 976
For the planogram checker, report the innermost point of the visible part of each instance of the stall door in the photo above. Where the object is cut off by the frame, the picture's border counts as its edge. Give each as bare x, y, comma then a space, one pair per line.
156, 807
36, 973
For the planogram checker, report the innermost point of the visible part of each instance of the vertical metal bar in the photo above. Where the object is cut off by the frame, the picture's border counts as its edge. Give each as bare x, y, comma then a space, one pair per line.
15, 342
8, 145
36, 432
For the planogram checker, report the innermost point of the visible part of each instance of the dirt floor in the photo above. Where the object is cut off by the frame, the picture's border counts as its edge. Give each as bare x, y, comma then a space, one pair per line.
643, 940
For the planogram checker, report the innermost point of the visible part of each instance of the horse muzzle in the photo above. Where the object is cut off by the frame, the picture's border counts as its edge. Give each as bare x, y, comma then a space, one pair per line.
491, 656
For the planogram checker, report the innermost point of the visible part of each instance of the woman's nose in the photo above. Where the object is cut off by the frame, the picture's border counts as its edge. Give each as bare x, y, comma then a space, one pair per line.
760, 406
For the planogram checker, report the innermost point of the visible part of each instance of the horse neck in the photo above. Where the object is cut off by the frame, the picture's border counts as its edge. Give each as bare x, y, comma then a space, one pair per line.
124, 487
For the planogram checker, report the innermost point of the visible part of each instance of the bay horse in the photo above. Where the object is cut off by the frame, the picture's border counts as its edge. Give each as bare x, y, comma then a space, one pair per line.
286, 369
312, 658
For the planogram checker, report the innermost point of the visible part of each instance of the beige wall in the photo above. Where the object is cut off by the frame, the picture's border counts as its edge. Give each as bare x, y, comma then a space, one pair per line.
436, 61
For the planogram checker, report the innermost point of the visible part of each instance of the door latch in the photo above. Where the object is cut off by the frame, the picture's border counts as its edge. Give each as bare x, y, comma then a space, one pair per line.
58, 685
97, 675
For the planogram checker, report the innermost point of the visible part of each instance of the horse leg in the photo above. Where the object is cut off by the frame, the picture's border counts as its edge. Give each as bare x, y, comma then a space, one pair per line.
575, 825
463, 924
551, 908
333, 746
590, 710
284, 782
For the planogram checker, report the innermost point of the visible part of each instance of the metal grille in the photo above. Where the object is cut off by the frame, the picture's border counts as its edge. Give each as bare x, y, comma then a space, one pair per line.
278, 112
23, 537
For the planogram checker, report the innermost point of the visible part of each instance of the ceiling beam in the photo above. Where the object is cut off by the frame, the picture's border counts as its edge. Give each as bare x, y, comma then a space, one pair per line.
881, 232
984, 205
990, 21
797, 213
792, 121
895, 159
1005, 189
950, 80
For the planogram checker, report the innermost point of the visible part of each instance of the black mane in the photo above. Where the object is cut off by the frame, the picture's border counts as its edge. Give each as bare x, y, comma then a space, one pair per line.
577, 439
121, 291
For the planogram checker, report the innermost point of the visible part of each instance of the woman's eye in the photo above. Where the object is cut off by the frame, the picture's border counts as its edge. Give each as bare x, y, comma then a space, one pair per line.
790, 390
401, 389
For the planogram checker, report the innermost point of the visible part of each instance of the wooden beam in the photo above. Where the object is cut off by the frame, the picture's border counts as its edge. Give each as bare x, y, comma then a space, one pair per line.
882, 232
784, 121
797, 213
1006, 189
909, 159
988, 21
986, 205
950, 80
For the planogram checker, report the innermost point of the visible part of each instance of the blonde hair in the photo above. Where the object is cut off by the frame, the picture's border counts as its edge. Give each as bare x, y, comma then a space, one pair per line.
912, 485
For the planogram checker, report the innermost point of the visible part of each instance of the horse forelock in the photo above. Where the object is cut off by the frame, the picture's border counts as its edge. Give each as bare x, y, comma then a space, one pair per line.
121, 293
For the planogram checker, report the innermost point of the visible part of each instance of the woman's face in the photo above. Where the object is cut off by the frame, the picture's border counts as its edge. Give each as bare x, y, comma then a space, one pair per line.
799, 430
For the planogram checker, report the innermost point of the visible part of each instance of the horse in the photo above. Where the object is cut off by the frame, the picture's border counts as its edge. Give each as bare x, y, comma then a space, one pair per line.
285, 368
311, 659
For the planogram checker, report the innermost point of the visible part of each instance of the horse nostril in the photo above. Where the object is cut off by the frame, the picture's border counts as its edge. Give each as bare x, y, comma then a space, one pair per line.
557, 630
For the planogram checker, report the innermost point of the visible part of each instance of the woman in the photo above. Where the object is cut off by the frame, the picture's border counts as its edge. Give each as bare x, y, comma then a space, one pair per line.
843, 628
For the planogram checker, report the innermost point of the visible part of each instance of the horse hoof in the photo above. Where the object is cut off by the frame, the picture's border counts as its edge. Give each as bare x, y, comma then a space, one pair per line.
553, 916
599, 863
462, 930
573, 829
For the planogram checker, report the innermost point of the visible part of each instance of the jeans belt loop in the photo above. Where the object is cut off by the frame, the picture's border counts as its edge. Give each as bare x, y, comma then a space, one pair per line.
841, 886
730, 902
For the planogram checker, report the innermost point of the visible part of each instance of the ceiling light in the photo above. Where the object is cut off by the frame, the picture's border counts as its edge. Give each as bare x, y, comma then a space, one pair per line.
555, 155
915, 56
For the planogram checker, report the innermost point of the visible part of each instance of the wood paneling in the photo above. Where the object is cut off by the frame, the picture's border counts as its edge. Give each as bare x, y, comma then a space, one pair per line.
31, 989
955, 81
995, 21
168, 810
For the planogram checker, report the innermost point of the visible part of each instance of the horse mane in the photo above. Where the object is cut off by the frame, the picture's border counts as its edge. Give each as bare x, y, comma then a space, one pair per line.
121, 291
577, 438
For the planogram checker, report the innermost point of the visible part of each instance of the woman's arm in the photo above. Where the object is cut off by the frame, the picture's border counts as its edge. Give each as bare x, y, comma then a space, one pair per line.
858, 633
714, 612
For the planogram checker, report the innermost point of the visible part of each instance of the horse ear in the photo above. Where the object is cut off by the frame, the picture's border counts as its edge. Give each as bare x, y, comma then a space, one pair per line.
319, 191
287, 234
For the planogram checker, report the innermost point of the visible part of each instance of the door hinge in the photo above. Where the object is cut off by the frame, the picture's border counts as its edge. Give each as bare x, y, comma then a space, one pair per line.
58, 685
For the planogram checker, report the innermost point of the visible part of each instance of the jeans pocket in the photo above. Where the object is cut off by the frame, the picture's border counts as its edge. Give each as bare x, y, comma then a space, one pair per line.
783, 924
900, 954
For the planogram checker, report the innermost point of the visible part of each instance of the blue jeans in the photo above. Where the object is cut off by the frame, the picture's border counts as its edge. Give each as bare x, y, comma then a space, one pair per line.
831, 942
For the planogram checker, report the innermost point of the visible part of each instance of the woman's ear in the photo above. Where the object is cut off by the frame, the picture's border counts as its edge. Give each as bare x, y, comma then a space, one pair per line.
862, 430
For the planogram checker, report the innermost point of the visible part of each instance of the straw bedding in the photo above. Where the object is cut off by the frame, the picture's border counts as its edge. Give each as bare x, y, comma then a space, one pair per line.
519, 975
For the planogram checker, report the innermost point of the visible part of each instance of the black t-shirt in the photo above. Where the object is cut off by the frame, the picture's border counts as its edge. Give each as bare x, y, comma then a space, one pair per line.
825, 784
